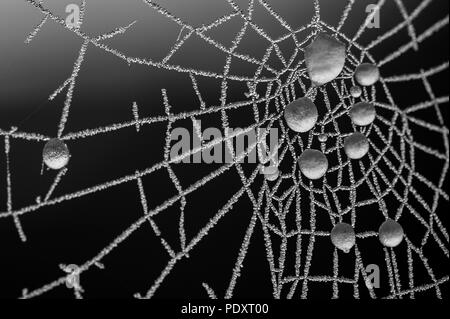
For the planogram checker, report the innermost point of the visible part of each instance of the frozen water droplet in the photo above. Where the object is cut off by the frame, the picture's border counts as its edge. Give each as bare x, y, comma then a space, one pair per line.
367, 74
271, 172
355, 91
270, 169
362, 113
356, 145
313, 164
325, 59
301, 115
343, 237
272, 177
55, 154
323, 138
390, 233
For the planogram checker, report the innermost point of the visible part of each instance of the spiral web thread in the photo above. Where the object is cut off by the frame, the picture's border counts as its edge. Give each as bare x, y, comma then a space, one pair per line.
393, 123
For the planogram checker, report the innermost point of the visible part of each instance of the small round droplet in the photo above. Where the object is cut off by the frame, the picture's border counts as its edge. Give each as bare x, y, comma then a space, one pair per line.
367, 74
362, 113
269, 169
390, 233
323, 138
355, 91
313, 164
324, 58
272, 177
343, 237
301, 115
55, 154
356, 145
270, 172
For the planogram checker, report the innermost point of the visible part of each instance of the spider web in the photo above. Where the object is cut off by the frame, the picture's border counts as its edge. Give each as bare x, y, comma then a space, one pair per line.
288, 209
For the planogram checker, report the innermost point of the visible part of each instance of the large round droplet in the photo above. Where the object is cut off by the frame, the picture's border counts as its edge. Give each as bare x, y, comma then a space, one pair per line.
55, 154
390, 233
367, 74
343, 237
356, 145
301, 115
325, 59
313, 164
355, 91
362, 113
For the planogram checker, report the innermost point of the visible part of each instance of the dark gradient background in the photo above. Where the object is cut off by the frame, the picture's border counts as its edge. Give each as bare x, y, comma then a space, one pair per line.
75, 231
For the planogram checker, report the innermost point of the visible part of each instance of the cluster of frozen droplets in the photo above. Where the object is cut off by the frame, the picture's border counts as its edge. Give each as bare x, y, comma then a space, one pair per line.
325, 59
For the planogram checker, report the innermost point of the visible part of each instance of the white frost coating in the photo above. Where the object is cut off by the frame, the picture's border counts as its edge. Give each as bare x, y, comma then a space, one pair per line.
325, 59
367, 74
301, 115
356, 145
390, 233
362, 113
313, 164
343, 237
56, 154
